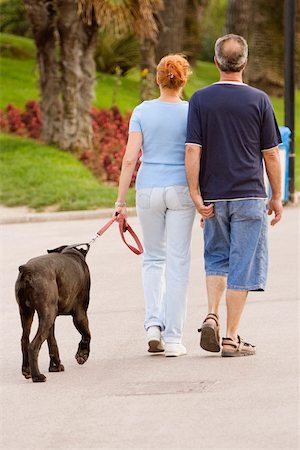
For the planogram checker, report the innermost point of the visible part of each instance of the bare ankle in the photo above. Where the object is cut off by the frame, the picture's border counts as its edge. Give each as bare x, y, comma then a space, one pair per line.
214, 312
233, 335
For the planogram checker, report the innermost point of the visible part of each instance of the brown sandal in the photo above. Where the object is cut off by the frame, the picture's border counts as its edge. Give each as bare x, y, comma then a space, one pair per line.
239, 348
210, 338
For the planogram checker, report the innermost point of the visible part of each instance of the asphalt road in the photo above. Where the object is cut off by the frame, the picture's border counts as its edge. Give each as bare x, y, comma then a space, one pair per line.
124, 398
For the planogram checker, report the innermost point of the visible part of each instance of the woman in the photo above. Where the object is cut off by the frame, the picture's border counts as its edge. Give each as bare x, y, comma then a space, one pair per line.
164, 206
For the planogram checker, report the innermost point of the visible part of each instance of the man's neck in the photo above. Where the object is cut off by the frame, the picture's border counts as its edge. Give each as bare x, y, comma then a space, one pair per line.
231, 76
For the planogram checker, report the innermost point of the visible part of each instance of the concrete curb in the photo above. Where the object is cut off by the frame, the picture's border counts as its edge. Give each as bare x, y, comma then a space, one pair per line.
30, 217
10, 216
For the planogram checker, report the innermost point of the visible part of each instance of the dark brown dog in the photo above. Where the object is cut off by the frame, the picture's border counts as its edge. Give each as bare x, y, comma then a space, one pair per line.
54, 284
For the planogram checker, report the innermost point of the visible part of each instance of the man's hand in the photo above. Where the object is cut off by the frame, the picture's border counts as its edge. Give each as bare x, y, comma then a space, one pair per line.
273, 168
207, 212
276, 207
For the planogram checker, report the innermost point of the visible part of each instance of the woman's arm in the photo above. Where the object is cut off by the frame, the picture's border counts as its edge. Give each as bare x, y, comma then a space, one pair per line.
134, 144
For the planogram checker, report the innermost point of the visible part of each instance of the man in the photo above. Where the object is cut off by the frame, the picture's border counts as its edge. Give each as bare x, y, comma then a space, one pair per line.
231, 131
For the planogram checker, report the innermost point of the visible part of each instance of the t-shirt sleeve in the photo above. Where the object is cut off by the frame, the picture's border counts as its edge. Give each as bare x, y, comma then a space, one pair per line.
194, 129
270, 134
135, 123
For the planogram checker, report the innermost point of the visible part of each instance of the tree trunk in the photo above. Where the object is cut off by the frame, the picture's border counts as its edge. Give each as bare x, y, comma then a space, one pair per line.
43, 19
77, 44
193, 31
65, 50
87, 86
266, 60
148, 69
171, 22
261, 23
237, 18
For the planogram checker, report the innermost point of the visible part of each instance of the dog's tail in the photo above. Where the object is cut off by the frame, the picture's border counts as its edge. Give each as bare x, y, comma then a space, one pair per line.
24, 285
25, 276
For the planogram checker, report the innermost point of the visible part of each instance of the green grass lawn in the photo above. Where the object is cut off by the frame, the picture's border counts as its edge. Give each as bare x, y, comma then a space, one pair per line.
19, 83
39, 176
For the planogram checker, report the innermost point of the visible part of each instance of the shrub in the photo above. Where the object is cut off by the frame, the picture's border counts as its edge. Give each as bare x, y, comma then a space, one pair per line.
13, 18
110, 136
117, 52
14, 119
32, 119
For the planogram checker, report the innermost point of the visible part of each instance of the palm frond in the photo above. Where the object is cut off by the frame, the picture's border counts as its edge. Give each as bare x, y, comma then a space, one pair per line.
121, 17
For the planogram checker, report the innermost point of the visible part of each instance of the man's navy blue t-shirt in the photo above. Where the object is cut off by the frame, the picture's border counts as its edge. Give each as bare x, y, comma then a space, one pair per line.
233, 123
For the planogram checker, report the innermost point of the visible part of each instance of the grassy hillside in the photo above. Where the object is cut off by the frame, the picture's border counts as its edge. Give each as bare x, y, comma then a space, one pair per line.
19, 82
39, 176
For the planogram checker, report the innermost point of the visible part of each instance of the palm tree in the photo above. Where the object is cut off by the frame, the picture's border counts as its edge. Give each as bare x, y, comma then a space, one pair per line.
261, 23
193, 27
171, 28
179, 31
65, 33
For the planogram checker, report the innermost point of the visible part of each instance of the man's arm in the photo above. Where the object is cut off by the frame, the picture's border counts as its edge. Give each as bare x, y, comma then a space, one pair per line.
273, 168
192, 168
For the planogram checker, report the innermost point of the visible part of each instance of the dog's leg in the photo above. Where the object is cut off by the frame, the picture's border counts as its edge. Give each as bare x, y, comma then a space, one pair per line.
46, 320
82, 325
26, 315
55, 364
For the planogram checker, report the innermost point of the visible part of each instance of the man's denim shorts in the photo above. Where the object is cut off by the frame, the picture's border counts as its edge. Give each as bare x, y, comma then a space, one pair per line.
235, 243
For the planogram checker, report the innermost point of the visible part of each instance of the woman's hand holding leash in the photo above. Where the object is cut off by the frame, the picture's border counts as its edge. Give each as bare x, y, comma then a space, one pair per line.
120, 209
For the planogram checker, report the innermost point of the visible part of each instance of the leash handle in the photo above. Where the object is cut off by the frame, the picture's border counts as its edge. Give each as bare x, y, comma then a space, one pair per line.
123, 227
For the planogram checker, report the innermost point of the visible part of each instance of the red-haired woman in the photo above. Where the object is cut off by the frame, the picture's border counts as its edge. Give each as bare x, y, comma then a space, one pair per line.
164, 206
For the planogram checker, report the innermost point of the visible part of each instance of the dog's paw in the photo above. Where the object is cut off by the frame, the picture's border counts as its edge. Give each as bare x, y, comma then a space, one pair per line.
39, 378
82, 356
82, 352
26, 372
56, 368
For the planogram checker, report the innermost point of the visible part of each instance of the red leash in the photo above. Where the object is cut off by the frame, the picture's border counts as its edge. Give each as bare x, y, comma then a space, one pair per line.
123, 227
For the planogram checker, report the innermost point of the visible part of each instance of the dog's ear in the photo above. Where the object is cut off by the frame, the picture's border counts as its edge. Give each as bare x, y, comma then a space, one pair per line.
85, 250
57, 250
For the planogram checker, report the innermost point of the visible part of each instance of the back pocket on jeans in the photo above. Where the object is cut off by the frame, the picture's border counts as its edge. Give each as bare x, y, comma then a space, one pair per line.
184, 196
143, 199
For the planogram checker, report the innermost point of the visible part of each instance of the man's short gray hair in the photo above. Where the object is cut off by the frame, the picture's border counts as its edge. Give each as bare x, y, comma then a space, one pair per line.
235, 59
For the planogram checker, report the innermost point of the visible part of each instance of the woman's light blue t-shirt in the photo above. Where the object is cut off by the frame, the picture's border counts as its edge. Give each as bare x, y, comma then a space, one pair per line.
163, 125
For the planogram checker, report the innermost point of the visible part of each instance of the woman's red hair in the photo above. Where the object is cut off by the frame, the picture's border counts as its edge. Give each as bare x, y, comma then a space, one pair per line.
173, 71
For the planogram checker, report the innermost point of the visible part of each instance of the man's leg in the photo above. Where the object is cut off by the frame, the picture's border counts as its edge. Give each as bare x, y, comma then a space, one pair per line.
235, 301
215, 286
216, 255
247, 267
233, 345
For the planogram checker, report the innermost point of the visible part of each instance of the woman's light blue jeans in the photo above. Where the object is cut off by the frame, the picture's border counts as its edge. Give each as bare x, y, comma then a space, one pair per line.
166, 216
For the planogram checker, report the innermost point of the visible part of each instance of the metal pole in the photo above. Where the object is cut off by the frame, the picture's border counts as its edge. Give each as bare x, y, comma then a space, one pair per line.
289, 84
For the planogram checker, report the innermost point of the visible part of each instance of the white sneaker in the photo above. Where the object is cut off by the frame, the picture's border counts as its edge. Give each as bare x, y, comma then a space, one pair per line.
154, 340
174, 349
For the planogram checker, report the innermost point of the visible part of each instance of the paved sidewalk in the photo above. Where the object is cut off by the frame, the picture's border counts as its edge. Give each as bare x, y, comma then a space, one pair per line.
22, 214
123, 398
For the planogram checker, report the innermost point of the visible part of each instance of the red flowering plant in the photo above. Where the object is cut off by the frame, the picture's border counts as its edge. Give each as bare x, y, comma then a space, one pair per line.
27, 123
32, 119
110, 131
14, 119
4, 126
110, 138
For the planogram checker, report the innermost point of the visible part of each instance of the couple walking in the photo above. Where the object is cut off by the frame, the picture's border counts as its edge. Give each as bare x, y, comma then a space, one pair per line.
205, 155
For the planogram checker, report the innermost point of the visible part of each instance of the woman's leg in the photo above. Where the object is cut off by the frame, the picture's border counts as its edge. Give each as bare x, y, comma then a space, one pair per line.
179, 222
151, 211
